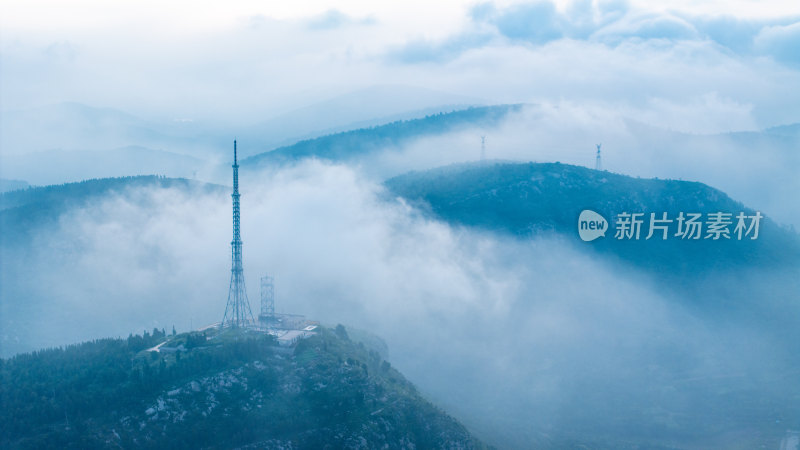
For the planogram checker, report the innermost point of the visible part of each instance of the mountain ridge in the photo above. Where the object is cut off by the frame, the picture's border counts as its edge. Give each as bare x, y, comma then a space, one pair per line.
526, 199
22, 211
346, 145
226, 389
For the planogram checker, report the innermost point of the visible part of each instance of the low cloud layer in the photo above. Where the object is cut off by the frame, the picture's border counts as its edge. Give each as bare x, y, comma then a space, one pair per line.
554, 343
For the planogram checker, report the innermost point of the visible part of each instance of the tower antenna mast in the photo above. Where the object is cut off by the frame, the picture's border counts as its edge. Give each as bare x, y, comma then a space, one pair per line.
598, 164
237, 310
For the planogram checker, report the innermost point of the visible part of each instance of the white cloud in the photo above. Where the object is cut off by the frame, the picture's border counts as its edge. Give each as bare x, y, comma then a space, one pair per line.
780, 41
246, 62
707, 113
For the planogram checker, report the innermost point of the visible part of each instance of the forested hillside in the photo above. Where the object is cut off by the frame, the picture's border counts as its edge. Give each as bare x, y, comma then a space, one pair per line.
351, 144
23, 210
228, 390
526, 199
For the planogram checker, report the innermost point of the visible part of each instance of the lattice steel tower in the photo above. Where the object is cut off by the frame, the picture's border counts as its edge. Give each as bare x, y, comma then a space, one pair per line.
598, 163
237, 311
267, 299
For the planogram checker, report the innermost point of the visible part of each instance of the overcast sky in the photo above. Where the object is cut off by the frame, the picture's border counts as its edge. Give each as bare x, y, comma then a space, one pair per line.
734, 64
341, 252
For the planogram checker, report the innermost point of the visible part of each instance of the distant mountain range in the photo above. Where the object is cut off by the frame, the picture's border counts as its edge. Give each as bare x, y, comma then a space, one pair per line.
73, 142
415, 130
76, 126
59, 166
73, 126
364, 108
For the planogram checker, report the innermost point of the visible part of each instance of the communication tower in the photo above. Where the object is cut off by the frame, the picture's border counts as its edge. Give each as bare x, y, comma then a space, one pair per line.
267, 299
237, 310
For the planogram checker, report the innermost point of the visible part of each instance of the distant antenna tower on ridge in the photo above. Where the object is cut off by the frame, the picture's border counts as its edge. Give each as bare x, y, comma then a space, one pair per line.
237, 310
598, 164
483, 148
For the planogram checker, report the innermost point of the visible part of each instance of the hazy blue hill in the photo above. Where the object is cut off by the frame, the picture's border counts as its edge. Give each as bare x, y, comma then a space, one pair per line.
23, 210
229, 390
55, 166
351, 144
73, 125
374, 105
79, 125
72, 192
789, 131
534, 199
785, 137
